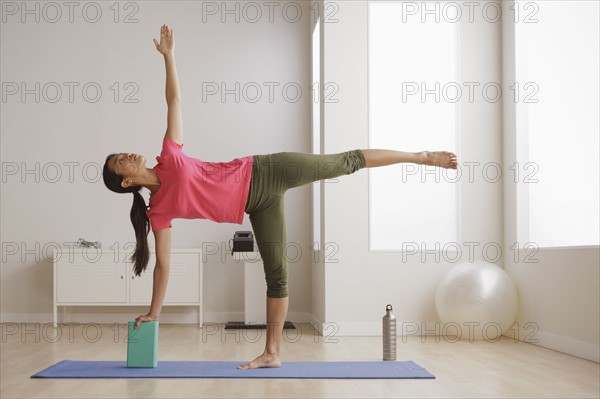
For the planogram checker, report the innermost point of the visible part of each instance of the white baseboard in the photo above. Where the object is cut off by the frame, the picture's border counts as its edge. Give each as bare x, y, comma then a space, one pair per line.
559, 343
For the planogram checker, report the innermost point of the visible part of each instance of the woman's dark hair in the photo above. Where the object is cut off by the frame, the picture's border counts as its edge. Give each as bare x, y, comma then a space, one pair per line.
139, 218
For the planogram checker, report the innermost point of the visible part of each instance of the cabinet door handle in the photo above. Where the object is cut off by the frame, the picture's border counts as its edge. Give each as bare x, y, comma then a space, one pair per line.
121, 276
132, 277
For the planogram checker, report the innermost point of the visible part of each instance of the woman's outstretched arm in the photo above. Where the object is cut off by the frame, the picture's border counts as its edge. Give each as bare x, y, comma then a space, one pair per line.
174, 120
161, 275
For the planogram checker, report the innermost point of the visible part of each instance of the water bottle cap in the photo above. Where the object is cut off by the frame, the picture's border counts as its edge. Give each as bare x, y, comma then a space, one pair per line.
388, 307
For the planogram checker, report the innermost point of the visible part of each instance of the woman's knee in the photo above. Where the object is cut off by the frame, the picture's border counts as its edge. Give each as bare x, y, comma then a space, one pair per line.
353, 161
277, 280
277, 290
276, 276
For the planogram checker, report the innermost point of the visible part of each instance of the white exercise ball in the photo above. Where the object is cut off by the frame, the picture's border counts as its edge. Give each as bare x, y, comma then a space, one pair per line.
476, 300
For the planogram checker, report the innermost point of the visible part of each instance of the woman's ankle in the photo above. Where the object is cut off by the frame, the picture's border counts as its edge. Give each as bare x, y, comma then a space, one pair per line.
272, 350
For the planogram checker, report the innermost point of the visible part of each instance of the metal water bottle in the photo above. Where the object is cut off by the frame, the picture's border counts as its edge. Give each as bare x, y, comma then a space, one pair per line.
389, 334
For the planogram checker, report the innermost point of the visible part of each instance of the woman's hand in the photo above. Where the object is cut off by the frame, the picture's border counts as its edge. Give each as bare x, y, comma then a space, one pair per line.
167, 41
142, 318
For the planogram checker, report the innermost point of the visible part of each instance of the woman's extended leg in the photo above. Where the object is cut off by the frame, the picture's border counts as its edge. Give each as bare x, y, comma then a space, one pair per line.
376, 158
294, 169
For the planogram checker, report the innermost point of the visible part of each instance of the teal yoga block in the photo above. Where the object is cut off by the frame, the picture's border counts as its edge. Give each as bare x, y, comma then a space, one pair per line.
142, 344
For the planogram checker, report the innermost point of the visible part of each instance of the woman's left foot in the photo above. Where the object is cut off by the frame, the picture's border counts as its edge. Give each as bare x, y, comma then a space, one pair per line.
264, 360
442, 159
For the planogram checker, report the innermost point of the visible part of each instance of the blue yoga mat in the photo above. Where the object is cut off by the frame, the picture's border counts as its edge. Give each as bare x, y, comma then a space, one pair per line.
198, 369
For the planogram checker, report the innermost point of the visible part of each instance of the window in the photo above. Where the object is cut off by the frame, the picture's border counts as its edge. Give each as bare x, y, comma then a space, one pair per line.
556, 95
412, 107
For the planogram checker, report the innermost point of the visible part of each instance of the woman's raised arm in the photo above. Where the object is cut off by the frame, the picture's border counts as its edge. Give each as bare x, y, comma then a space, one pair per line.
174, 120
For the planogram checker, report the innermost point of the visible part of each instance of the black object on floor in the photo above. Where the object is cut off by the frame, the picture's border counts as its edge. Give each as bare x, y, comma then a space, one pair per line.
240, 325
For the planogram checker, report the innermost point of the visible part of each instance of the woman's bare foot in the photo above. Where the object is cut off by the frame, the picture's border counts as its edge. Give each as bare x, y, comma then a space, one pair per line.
264, 360
442, 159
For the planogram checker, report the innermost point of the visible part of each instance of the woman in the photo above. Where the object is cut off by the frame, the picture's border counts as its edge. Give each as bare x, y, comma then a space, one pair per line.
185, 187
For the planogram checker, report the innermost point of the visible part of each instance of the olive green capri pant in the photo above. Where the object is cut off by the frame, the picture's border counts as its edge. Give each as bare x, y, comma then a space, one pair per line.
272, 176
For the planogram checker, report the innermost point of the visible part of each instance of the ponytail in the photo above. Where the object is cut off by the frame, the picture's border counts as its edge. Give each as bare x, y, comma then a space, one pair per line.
139, 218
141, 226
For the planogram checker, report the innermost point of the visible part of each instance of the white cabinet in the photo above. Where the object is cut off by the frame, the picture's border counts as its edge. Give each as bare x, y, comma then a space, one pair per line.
93, 277
83, 279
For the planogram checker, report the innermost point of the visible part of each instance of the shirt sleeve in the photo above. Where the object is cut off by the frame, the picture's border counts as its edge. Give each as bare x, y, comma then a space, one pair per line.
158, 222
170, 147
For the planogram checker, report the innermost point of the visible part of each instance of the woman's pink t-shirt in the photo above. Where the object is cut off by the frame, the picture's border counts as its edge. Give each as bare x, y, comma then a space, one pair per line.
194, 189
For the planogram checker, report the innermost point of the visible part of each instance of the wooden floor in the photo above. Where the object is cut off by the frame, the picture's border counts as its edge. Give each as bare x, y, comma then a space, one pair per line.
462, 369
